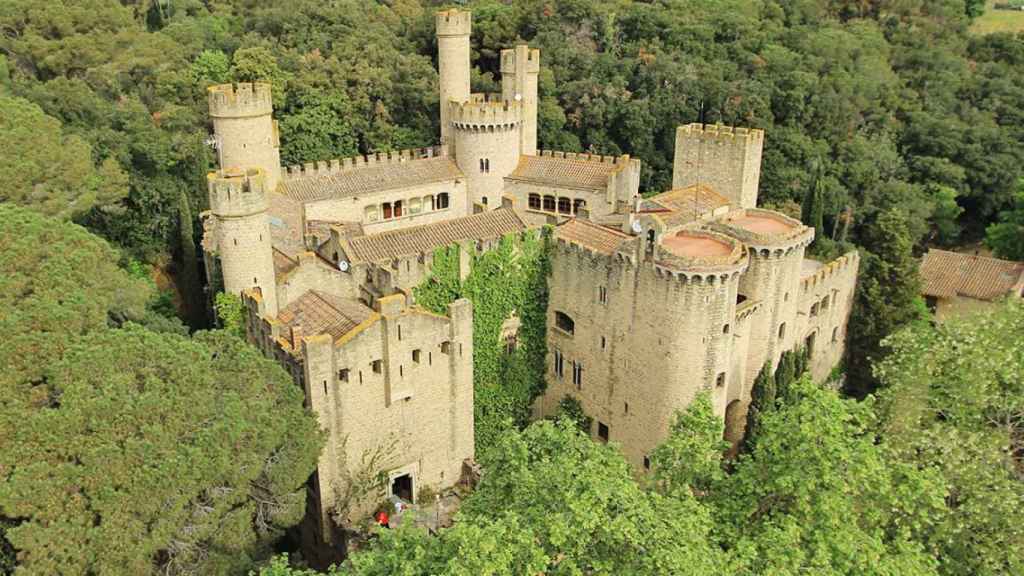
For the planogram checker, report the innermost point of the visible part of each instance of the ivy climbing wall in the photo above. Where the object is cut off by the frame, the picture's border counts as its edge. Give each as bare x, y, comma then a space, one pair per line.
508, 286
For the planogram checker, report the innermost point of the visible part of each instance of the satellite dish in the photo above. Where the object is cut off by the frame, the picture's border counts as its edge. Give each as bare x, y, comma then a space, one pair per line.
637, 228
343, 265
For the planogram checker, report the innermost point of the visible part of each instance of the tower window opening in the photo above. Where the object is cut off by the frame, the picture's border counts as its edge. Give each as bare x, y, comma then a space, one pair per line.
487, 165
625, 407
481, 165
565, 322
725, 329
343, 374
782, 331
602, 342
835, 334
442, 200
446, 347
416, 355
325, 387
236, 241
720, 380
399, 332
377, 366
534, 202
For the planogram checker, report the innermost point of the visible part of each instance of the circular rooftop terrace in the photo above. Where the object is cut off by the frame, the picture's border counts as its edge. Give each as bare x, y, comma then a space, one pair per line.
762, 224
690, 245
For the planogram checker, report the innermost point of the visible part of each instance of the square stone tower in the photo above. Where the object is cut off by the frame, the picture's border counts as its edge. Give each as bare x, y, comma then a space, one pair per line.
725, 158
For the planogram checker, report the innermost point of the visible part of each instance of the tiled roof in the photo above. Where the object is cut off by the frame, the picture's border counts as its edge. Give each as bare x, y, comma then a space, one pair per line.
684, 205
426, 238
283, 263
569, 172
370, 178
946, 274
592, 236
321, 313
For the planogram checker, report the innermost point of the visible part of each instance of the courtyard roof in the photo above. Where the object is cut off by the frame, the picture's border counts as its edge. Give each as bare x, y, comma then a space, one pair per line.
946, 274
428, 237
593, 236
370, 178
317, 312
586, 172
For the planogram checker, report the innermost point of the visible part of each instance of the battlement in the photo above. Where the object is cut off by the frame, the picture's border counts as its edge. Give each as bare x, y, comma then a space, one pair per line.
483, 115
764, 229
510, 63
835, 268
453, 22
339, 165
234, 192
245, 99
586, 157
483, 97
693, 250
733, 134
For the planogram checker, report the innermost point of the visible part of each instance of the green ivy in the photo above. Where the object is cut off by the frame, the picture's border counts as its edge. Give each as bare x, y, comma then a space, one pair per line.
510, 278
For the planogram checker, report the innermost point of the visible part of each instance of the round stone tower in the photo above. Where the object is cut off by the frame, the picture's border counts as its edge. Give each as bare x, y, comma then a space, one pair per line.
453, 28
701, 272
238, 202
487, 140
244, 129
776, 244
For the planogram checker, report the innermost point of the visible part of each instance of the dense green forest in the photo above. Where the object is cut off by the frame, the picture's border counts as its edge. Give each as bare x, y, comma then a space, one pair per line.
889, 126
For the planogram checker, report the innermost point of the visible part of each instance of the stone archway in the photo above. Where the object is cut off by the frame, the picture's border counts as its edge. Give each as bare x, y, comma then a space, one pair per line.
735, 425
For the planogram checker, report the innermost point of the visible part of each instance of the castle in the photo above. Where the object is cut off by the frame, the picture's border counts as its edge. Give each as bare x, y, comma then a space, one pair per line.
651, 299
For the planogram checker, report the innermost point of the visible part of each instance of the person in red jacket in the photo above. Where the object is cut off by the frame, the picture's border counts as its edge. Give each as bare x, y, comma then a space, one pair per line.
382, 519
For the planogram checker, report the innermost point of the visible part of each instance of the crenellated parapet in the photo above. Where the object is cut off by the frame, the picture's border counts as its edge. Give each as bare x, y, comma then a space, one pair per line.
720, 133
340, 165
586, 157
836, 269
485, 116
453, 22
236, 193
240, 101
530, 61
766, 232
699, 253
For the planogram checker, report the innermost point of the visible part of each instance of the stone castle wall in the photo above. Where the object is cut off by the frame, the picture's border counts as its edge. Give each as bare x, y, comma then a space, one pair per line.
725, 158
825, 303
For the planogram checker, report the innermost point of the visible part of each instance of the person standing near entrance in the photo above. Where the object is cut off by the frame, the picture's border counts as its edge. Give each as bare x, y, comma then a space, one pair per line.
382, 519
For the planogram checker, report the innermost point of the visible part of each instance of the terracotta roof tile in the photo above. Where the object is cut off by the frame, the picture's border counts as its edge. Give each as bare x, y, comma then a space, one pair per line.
428, 237
321, 313
370, 178
592, 236
569, 172
684, 205
946, 274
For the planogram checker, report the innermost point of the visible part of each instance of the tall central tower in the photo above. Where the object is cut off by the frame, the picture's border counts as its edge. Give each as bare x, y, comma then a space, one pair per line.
245, 129
519, 70
453, 27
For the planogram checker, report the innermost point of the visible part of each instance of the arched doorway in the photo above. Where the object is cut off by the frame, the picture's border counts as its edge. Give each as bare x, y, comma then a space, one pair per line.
735, 423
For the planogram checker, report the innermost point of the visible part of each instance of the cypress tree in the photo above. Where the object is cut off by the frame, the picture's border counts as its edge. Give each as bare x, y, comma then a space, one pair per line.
762, 399
189, 279
785, 374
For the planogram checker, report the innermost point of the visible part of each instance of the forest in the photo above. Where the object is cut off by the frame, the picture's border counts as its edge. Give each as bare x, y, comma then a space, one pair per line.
890, 127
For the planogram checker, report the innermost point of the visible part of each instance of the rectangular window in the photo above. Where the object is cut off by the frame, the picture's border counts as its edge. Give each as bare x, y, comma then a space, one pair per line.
399, 332
602, 294
559, 364
647, 463
564, 322
446, 347
343, 374
602, 342
720, 380
378, 366
416, 354
577, 374
602, 432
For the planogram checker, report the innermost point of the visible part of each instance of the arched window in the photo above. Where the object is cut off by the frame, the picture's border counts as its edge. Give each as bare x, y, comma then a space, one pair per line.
484, 200
565, 205
442, 200
481, 165
782, 331
549, 203
487, 164
565, 322
650, 240
387, 210
398, 209
578, 204
835, 334
534, 202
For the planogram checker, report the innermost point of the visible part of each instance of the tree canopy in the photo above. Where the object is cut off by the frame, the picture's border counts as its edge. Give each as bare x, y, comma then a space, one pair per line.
128, 449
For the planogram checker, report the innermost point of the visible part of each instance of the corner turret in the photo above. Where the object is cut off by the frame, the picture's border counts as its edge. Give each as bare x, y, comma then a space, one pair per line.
453, 28
520, 68
241, 232
245, 131
486, 136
